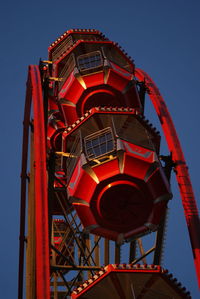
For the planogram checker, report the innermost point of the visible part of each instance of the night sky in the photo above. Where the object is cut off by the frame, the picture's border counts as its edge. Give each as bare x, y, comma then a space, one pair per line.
163, 39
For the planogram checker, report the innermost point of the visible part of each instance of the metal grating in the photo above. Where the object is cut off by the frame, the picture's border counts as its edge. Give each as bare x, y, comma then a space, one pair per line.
66, 70
62, 47
99, 144
90, 61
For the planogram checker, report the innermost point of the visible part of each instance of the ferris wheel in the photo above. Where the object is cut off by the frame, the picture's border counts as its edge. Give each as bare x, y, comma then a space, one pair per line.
94, 184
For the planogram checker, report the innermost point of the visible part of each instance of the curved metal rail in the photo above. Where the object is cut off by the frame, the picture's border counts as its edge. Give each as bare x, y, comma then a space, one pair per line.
182, 174
34, 93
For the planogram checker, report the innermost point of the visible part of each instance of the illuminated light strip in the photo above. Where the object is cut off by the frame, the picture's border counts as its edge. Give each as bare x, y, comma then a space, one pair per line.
34, 92
130, 268
78, 201
47, 61
81, 81
91, 173
106, 75
65, 154
80, 204
66, 102
55, 79
100, 109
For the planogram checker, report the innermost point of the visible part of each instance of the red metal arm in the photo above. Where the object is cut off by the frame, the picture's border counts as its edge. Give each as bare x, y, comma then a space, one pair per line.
34, 92
182, 174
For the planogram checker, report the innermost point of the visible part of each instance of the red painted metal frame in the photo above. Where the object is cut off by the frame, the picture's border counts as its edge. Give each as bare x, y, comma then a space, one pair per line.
26, 123
34, 92
182, 174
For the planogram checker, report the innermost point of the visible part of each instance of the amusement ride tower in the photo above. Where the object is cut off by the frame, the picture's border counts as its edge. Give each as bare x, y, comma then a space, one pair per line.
97, 183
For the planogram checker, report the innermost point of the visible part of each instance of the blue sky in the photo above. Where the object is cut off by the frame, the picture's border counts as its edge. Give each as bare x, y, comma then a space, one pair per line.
163, 39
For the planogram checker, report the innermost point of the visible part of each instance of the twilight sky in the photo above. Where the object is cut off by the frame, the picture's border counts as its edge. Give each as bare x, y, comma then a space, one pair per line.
163, 39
